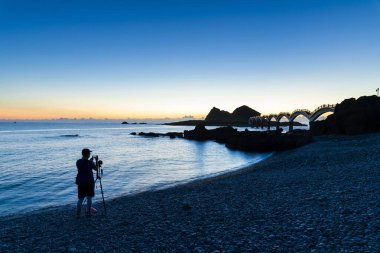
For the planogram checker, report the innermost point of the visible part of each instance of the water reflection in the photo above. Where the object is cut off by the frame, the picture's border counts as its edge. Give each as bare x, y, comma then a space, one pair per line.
39, 171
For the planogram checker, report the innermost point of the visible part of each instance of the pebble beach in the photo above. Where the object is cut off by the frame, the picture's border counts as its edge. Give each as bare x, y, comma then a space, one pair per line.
323, 197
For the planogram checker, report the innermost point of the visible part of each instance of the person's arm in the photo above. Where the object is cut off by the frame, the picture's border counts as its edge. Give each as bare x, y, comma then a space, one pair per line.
77, 164
93, 165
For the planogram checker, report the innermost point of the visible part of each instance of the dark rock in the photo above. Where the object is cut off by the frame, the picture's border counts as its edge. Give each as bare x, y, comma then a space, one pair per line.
318, 127
185, 123
267, 141
124, 123
149, 134
133, 133
352, 116
218, 115
243, 113
200, 133
186, 207
239, 116
172, 135
250, 140
300, 131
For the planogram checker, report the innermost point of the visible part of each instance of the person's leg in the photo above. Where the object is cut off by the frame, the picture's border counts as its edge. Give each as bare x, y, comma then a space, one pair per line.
89, 203
79, 206
90, 192
81, 195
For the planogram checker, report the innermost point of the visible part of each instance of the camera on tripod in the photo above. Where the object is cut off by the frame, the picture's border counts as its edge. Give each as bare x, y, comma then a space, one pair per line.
99, 175
98, 163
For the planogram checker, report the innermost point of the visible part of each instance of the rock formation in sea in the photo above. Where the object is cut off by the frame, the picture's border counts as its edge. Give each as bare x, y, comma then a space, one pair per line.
172, 135
243, 113
239, 116
352, 116
250, 140
218, 115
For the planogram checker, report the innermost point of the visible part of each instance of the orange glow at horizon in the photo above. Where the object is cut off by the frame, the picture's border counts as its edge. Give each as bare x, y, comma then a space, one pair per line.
50, 113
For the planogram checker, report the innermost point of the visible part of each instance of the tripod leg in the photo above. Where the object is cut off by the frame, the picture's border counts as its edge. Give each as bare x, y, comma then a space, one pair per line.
104, 203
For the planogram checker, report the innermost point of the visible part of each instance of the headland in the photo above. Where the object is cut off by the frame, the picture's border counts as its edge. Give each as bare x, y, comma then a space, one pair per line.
238, 118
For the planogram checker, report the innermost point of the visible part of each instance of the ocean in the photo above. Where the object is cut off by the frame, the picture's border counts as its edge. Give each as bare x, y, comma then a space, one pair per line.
37, 160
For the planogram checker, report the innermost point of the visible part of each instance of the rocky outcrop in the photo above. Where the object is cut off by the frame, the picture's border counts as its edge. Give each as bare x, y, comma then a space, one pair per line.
217, 115
200, 133
352, 116
172, 135
239, 116
243, 113
268, 141
250, 140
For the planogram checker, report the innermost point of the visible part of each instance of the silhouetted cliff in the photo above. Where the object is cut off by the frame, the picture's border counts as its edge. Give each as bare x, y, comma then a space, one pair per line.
218, 115
239, 116
352, 116
243, 113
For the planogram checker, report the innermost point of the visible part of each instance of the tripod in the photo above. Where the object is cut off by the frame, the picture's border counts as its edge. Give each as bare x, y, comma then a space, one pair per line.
99, 174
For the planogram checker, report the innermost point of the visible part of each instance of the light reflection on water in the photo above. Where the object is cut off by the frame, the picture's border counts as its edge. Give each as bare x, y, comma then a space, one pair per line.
37, 161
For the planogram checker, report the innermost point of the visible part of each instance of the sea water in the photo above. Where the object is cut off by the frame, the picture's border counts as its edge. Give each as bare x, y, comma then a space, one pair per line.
37, 160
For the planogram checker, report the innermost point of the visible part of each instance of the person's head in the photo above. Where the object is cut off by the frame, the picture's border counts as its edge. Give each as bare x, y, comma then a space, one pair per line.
86, 153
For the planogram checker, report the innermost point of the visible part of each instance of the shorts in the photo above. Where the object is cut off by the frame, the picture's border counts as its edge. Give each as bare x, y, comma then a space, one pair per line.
86, 190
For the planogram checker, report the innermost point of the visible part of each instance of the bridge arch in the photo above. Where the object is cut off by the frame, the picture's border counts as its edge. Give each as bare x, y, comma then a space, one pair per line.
272, 116
282, 115
311, 116
296, 113
320, 111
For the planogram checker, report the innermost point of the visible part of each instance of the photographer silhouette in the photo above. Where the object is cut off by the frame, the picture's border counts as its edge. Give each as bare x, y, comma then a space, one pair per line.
85, 181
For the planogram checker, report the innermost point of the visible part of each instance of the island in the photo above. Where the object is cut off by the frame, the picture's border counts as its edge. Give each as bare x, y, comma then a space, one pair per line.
238, 118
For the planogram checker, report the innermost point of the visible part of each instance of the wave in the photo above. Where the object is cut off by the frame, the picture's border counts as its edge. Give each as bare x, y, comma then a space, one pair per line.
69, 135
64, 136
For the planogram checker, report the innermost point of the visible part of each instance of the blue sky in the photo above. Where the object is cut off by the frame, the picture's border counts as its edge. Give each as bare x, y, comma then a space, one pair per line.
140, 59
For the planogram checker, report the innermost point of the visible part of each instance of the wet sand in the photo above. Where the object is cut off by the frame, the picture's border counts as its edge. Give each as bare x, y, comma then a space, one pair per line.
323, 197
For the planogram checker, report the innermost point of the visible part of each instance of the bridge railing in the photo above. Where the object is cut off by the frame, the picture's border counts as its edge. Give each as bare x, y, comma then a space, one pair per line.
270, 116
323, 106
301, 110
282, 114
287, 114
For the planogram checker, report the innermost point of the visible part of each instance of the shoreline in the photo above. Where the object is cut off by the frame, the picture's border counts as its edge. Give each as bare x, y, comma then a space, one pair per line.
97, 201
322, 197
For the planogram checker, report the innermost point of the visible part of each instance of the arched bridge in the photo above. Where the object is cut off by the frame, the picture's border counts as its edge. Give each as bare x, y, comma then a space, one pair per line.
265, 120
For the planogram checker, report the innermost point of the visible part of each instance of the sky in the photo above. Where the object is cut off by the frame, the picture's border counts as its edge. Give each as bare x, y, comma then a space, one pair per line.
157, 59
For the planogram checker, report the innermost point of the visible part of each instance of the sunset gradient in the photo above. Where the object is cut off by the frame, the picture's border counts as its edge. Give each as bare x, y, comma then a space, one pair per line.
158, 59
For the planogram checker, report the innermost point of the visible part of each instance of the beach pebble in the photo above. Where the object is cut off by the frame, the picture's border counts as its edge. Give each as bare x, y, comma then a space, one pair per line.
186, 207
